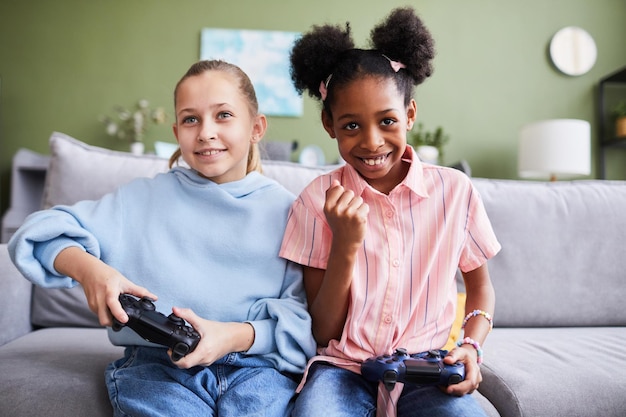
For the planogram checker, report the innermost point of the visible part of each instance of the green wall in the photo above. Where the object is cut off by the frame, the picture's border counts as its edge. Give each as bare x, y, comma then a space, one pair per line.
63, 63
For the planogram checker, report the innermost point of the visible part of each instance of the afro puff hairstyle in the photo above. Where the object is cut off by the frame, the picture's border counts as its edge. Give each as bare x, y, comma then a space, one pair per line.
326, 54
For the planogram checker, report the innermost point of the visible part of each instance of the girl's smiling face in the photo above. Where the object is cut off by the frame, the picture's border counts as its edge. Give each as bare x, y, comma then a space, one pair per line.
215, 126
370, 122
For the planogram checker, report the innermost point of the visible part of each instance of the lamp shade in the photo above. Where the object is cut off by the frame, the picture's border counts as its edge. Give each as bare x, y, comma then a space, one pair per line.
555, 148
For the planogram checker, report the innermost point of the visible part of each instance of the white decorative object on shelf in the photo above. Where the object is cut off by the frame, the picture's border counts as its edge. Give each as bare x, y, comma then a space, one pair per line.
428, 153
312, 155
137, 148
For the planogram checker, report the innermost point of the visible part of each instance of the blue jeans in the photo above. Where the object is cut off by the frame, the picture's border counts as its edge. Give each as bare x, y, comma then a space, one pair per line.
145, 382
331, 391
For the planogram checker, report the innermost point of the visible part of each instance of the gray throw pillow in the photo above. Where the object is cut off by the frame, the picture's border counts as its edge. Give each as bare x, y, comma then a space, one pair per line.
79, 171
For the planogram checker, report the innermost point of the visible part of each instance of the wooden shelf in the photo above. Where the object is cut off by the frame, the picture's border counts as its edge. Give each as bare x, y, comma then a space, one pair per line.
615, 142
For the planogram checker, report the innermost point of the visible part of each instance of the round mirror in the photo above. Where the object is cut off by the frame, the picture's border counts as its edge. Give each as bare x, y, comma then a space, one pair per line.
573, 51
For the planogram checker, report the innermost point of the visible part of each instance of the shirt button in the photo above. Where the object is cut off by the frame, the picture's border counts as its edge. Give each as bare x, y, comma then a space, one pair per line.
389, 214
396, 263
387, 319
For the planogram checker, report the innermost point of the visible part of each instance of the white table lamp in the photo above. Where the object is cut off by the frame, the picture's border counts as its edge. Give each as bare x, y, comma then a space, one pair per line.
555, 148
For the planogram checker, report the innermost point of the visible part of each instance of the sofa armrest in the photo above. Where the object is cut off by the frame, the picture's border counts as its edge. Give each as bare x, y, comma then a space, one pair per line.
15, 298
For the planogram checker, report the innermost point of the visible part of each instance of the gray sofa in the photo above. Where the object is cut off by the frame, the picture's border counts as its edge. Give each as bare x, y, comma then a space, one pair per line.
557, 347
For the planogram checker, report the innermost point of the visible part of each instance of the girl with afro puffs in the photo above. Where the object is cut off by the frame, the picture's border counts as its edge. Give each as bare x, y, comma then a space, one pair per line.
381, 238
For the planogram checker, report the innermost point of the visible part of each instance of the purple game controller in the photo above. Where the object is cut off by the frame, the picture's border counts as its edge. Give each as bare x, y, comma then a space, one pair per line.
170, 331
425, 368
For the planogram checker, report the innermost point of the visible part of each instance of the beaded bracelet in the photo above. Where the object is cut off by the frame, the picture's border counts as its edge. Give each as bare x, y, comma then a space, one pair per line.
478, 313
470, 341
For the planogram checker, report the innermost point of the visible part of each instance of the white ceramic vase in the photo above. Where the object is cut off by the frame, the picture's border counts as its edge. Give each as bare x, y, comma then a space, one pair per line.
428, 154
137, 148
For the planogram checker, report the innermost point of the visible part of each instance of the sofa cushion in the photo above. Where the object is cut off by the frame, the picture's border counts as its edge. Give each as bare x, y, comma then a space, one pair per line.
293, 176
57, 372
15, 300
61, 307
556, 371
557, 238
79, 171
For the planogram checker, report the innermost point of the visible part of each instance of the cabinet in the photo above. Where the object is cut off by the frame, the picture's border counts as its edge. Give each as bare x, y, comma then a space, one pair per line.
611, 90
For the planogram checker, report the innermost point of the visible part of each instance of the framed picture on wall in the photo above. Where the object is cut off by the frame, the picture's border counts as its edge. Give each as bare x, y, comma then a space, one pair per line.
264, 56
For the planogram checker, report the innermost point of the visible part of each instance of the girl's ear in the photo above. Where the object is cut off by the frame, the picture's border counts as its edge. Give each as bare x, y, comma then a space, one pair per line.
259, 128
411, 114
327, 122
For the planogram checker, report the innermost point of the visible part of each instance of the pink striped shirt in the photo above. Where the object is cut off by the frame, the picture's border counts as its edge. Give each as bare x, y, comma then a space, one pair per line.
403, 293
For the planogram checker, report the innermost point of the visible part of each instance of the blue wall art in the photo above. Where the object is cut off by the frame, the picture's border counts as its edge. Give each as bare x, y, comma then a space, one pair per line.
264, 56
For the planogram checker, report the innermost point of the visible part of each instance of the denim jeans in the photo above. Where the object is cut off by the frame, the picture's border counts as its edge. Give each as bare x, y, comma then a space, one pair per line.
145, 382
331, 391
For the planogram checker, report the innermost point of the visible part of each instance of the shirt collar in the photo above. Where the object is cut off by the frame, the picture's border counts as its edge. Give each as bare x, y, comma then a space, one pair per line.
237, 189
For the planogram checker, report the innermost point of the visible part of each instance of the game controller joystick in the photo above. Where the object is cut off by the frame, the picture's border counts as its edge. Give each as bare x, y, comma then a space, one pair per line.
425, 368
170, 331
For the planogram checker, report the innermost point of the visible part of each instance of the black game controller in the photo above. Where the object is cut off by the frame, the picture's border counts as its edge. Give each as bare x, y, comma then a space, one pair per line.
170, 331
425, 368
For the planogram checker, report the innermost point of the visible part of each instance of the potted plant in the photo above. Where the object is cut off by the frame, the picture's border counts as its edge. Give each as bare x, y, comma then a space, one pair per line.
131, 124
428, 145
619, 112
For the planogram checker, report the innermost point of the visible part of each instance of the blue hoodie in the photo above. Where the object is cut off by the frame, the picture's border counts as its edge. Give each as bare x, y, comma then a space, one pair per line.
194, 243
